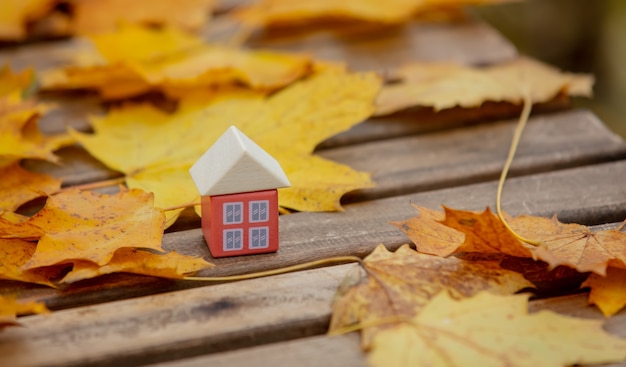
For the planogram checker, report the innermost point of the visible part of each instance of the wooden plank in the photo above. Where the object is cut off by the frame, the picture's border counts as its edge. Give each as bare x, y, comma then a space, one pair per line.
199, 321
315, 351
75, 167
421, 120
477, 153
587, 195
174, 324
344, 350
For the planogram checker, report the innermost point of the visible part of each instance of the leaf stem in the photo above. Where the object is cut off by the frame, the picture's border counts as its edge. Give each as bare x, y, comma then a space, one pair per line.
286, 269
621, 226
521, 124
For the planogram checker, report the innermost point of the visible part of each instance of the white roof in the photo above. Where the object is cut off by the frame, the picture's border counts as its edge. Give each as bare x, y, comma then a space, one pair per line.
234, 164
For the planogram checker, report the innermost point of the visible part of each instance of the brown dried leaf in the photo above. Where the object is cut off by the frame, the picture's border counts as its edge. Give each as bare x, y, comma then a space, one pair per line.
443, 86
399, 284
572, 244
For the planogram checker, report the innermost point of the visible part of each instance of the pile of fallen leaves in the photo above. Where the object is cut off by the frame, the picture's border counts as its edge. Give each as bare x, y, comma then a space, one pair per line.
452, 299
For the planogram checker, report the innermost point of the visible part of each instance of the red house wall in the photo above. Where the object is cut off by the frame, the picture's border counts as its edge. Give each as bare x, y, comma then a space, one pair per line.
213, 226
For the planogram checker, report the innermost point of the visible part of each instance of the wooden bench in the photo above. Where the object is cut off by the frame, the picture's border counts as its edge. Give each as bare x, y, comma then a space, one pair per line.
568, 163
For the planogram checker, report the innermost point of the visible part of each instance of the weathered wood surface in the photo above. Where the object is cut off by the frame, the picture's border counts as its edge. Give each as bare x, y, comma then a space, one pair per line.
343, 350
204, 320
587, 195
568, 164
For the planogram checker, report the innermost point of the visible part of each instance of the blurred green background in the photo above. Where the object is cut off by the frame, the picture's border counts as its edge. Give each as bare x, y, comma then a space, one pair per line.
576, 35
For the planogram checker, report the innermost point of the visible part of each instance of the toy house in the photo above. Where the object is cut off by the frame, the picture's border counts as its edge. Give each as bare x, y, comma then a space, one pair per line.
238, 181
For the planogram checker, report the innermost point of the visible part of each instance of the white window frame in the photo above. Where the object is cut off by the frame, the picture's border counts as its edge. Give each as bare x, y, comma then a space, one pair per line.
261, 219
251, 237
237, 219
233, 234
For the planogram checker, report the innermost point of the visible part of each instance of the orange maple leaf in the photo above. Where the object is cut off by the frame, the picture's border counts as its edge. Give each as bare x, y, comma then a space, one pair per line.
15, 14
281, 13
18, 228
19, 186
105, 15
429, 235
132, 260
15, 253
84, 225
608, 292
484, 233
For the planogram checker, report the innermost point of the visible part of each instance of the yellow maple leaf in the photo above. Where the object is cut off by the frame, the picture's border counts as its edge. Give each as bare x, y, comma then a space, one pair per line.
491, 330
155, 150
137, 59
19, 186
130, 260
10, 308
442, 86
608, 292
15, 83
84, 225
19, 134
399, 284
15, 14
105, 15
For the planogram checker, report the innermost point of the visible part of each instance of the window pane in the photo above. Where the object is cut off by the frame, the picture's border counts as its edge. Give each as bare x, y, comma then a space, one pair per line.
233, 213
259, 211
258, 237
233, 239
